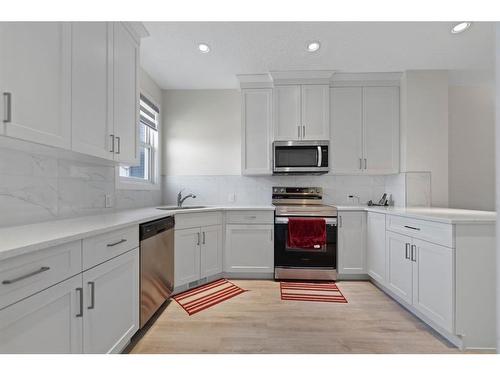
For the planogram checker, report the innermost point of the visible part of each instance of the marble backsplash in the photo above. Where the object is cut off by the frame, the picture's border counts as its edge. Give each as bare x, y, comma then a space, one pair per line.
38, 187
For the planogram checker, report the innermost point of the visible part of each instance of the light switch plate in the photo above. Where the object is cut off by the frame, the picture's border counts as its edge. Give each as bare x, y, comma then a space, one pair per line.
108, 200
231, 197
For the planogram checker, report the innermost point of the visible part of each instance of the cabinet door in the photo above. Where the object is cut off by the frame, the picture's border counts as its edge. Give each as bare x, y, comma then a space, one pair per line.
346, 130
35, 69
111, 304
211, 250
381, 129
256, 121
187, 256
91, 76
315, 110
126, 95
399, 266
375, 246
287, 117
433, 282
46, 322
352, 242
249, 248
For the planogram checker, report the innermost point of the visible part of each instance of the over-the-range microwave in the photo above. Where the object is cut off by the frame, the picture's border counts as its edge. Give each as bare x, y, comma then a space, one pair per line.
300, 157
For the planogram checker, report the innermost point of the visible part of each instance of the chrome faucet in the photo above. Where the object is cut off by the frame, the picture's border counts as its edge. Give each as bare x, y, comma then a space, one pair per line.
180, 199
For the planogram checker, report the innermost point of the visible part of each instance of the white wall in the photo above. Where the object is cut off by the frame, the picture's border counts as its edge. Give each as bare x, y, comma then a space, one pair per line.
201, 132
472, 147
424, 129
497, 158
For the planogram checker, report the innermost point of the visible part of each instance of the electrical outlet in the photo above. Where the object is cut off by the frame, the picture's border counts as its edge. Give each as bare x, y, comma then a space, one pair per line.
108, 200
231, 197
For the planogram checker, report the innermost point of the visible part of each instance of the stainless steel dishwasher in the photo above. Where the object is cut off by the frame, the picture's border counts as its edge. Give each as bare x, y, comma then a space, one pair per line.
157, 265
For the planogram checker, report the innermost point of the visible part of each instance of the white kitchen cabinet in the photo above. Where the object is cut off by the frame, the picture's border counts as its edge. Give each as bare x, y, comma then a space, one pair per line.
381, 129
125, 95
47, 322
375, 246
351, 242
91, 89
111, 304
249, 248
257, 130
187, 256
346, 129
365, 130
302, 112
35, 73
433, 278
399, 266
211, 251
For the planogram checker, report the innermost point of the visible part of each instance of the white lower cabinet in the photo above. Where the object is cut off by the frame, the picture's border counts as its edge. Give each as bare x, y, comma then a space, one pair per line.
47, 322
198, 253
111, 304
351, 244
249, 248
375, 246
399, 266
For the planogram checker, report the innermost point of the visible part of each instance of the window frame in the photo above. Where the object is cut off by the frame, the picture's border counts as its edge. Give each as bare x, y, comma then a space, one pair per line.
131, 183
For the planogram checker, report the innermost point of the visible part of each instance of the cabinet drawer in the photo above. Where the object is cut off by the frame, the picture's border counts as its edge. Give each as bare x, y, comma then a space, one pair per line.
438, 233
28, 274
100, 248
250, 217
193, 220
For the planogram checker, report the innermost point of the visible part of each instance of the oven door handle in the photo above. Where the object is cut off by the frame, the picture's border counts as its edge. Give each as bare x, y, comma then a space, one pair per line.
320, 157
328, 220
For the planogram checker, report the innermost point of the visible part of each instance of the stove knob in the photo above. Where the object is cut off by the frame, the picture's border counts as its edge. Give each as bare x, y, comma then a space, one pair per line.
282, 190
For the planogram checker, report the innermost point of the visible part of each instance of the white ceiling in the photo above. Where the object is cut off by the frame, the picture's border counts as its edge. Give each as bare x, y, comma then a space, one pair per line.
171, 57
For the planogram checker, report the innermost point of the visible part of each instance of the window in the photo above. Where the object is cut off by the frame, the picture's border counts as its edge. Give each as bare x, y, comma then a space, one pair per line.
147, 170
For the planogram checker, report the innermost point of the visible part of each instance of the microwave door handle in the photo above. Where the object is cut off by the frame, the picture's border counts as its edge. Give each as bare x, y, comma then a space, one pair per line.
320, 157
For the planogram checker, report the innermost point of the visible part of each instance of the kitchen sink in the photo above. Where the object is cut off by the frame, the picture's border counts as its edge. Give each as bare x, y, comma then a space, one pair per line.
173, 208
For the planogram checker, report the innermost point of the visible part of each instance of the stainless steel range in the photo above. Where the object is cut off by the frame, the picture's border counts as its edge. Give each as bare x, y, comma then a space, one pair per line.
303, 263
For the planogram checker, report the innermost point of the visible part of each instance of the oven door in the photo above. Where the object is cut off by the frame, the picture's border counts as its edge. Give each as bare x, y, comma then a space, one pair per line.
300, 157
324, 257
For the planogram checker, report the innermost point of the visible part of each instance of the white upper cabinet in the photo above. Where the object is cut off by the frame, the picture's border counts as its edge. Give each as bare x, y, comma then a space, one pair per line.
315, 112
126, 94
287, 121
346, 129
256, 124
381, 129
352, 242
365, 130
301, 112
35, 81
91, 98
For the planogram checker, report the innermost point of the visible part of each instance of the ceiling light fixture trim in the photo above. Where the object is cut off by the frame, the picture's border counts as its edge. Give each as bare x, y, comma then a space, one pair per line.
460, 27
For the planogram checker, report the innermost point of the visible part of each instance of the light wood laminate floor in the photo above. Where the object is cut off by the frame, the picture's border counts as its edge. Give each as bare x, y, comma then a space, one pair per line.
259, 322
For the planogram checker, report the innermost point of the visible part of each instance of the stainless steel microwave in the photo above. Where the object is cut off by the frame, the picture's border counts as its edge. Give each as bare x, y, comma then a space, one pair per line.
300, 157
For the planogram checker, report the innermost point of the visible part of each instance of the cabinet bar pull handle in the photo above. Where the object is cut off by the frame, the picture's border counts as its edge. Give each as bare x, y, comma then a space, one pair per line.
409, 227
80, 290
365, 164
298, 131
92, 295
340, 221
112, 143
360, 163
271, 236
303, 131
116, 243
203, 238
407, 250
251, 217
198, 243
414, 253
118, 148
7, 97
12, 281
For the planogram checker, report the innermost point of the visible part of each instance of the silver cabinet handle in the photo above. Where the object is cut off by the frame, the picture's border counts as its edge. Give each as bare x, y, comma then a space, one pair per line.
298, 131
413, 253
7, 97
409, 227
360, 163
112, 143
198, 243
92, 295
303, 131
116, 243
203, 238
365, 164
407, 250
118, 147
80, 290
251, 217
12, 281
340, 221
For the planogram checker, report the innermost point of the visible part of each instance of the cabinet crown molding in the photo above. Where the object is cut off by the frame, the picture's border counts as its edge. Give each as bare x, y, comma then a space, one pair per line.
297, 77
366, 79
255, 81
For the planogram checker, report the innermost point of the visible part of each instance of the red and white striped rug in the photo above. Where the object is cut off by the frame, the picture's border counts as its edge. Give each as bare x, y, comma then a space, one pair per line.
208, 295
311, 291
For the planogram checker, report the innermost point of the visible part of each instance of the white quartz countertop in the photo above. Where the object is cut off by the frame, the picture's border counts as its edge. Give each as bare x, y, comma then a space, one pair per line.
442, 215
23, 239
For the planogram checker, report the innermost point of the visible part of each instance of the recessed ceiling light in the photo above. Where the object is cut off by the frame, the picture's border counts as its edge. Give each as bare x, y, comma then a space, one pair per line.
460, 27
313, 46
204, 48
